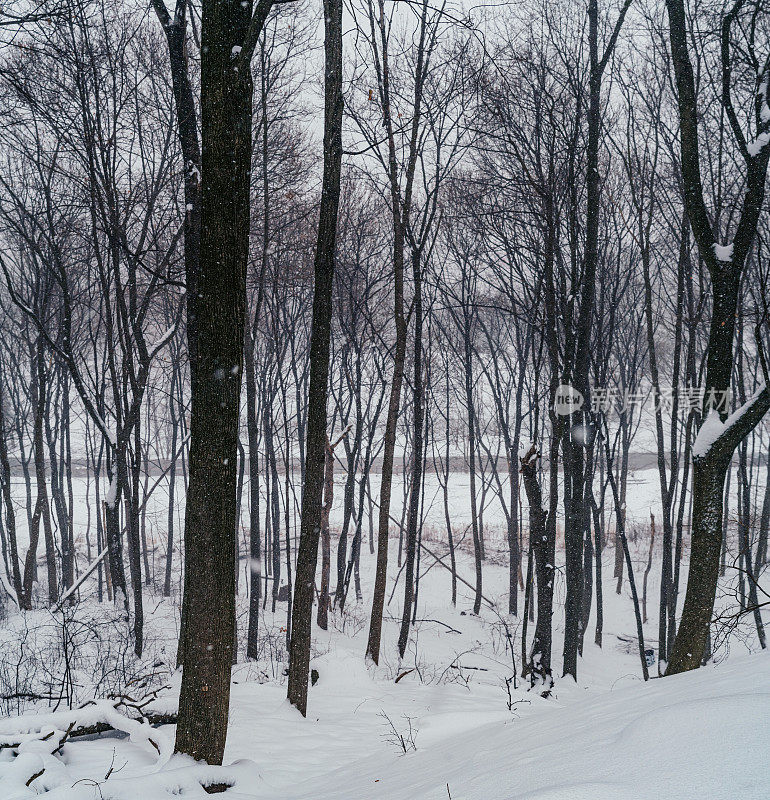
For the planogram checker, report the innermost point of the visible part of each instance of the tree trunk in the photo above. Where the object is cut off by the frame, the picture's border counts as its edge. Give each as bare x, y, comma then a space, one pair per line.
413, 521
255, 545
43, 507
690, 643
10, 514
648, 568
543, 547
315, 452
764, 522
399, 357
187, 124
208, 617
328, 499
477, 545
712, 460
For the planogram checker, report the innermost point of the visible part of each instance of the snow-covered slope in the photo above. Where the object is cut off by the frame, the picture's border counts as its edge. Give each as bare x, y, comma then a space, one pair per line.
703, 735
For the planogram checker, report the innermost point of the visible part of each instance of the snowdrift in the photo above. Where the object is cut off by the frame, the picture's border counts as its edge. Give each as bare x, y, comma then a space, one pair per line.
700, 735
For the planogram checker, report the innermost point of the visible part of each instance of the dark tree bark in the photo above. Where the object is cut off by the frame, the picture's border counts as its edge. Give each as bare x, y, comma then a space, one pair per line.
299, 656
42, 507
764, 521
229, 33
255, 545
598, 528
172, 401
400, 219
328, 499
469, 402
10, 514
413, 520
648, 567
543, 547
273, 498
175, 29
712, 454
575, 467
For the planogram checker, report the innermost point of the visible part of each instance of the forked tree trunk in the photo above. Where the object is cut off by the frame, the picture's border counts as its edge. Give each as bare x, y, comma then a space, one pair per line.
175, 29
394, 402
576, 511
715, 445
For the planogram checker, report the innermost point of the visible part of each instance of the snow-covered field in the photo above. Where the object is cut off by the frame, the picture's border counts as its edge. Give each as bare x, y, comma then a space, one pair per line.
643, 497
460, 723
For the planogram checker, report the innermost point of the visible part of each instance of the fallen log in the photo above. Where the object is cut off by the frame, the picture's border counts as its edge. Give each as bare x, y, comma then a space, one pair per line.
93, 718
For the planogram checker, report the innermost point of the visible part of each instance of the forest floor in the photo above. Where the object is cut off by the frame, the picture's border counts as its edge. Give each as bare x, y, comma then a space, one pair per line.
460, 724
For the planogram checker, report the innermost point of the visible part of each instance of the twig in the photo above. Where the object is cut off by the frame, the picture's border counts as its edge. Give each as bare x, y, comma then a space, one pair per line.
404, 674
36, 775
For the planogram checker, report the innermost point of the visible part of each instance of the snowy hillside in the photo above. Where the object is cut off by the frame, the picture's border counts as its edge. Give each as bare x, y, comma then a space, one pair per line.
697, 735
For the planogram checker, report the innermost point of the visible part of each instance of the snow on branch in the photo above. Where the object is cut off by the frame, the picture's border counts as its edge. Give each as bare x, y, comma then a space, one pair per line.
720, 437
755, 146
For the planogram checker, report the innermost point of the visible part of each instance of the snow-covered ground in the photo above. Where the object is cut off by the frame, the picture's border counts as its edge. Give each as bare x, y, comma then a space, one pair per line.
471, 728
703, 735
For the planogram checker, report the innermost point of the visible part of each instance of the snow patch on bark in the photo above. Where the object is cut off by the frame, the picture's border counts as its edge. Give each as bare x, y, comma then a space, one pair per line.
724, 252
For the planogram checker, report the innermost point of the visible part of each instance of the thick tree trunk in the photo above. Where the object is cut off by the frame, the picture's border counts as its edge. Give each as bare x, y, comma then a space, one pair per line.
209, 580
711, 460
690, 643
